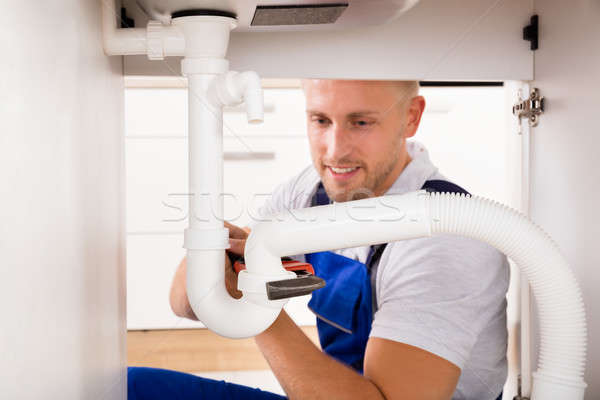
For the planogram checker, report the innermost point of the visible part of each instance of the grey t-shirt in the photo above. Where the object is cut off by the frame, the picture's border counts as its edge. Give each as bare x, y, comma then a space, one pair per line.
445, 294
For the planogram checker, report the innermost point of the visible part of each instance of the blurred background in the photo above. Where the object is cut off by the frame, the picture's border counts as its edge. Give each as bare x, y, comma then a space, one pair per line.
464, 127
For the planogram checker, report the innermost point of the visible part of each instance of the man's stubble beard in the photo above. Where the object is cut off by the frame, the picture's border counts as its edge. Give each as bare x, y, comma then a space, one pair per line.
374, 180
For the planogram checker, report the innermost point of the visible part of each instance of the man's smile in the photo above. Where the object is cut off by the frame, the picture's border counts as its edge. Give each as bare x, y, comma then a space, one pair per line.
342, 173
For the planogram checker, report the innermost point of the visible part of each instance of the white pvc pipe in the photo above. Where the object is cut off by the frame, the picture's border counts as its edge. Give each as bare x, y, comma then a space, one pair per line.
379, 220
220, 312
156, 39
205, 285
172, 41
233, 87
206, 238
249, 85
339, 225
117, 41
562, 355
205, 152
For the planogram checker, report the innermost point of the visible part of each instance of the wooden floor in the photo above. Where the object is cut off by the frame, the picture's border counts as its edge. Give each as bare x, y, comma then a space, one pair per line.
196, 350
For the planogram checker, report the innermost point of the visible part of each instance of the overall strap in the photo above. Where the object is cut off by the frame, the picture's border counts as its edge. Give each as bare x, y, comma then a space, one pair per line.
438, 185
320, 197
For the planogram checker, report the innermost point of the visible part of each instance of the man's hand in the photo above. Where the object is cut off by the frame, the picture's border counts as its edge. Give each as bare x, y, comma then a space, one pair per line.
178, 296
237, 243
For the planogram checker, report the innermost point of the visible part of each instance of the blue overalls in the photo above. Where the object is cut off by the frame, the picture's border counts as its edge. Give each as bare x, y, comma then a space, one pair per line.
344, 308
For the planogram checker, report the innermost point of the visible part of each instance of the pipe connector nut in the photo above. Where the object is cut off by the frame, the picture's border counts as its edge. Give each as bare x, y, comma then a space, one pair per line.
154, 40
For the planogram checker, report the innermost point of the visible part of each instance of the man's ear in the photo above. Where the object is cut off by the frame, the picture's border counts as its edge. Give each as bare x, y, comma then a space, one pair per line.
413, 115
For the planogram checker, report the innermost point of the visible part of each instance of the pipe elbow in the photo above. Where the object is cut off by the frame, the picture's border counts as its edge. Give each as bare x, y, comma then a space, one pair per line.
259, 252
231, 318
221, 313
116, 41
249, 84
233, 88
155, 40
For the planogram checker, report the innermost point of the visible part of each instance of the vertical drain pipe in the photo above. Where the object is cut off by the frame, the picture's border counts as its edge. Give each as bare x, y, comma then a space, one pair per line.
210, 87
206, 43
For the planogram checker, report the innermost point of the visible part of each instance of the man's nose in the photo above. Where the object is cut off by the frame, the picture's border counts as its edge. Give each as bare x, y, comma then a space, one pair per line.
339, 143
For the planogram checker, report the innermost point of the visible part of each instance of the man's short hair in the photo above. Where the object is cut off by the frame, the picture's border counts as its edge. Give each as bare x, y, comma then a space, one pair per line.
405, 90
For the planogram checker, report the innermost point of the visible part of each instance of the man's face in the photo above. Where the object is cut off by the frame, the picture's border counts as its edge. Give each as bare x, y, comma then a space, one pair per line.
356, 131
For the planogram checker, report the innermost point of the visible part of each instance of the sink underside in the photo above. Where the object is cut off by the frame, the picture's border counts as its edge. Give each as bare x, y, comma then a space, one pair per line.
286, 15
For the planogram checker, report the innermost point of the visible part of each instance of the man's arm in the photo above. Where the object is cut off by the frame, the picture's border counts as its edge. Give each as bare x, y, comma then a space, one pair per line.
402, 371
178, 295
393, 370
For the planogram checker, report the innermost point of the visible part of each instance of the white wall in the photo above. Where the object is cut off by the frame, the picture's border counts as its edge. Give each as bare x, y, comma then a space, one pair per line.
465, 133
565, 175
62, 296
468, 121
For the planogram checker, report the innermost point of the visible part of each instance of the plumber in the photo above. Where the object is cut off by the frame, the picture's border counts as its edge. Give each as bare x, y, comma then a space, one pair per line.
416, 319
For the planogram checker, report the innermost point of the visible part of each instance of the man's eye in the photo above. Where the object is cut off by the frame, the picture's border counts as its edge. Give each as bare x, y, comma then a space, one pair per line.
362, 123
321, 121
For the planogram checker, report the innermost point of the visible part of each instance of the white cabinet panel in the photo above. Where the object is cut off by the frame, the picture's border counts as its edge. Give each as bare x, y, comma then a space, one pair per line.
162, 112
156, 182
62, 296
252, 181
465, 132
565, 174
157, 179
151, 264
284, 115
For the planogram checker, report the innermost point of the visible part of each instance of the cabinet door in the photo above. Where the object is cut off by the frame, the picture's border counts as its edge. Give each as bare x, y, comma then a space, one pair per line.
564, 193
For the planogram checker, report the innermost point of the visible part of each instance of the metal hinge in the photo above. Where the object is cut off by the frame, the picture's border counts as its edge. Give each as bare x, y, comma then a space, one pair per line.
530, 108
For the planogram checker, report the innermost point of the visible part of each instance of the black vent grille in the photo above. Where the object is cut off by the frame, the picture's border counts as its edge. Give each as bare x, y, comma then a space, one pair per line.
303, 14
